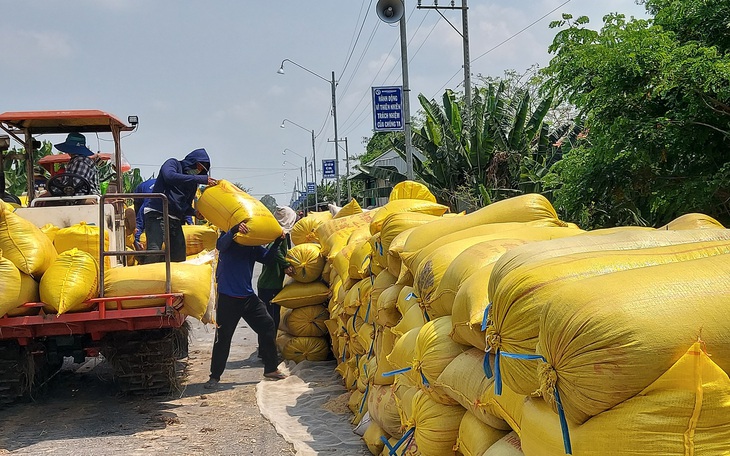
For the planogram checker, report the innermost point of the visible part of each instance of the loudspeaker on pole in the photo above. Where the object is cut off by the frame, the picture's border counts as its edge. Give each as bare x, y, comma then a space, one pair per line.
390, 11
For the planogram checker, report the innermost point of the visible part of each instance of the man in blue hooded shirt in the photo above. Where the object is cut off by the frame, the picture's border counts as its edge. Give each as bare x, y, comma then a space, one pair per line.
179, 181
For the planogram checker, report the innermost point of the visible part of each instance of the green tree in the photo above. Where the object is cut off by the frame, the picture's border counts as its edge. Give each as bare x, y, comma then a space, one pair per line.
656, 102
270, 202
487, 155
16, 172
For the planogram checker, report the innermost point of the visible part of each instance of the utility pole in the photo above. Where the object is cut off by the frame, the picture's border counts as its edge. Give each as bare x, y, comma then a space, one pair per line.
465, 39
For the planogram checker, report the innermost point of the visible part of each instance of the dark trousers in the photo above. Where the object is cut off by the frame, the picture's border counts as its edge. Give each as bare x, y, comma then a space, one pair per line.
154, 229
229, 312
266, 295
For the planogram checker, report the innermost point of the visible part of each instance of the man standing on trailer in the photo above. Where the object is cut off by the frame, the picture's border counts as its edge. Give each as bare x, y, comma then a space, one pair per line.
179, 181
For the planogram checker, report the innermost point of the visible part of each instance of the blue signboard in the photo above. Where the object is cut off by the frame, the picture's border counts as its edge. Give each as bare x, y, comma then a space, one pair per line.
329, 169
388, 108
310, 187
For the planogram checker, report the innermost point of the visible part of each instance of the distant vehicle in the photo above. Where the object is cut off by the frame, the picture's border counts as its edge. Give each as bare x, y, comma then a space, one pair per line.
141, 344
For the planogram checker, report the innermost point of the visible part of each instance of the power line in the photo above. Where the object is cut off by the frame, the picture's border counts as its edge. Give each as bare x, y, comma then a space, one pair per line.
503, 42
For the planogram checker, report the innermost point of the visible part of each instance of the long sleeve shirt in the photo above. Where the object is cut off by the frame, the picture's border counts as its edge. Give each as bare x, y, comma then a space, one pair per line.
234, 273
272, 274
86, 168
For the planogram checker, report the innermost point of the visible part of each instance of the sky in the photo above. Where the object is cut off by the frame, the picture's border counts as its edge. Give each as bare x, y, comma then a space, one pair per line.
204, 74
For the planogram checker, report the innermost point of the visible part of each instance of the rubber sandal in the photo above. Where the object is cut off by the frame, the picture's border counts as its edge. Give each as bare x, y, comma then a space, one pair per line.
275, 375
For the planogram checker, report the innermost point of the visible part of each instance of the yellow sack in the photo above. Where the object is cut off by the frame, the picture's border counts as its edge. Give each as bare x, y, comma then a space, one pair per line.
476, 437
464, 381
437, 425
402, 355
24, 244
465, 264
307, 321
342, 225
518, 301
295, 294
359, 266
307, 262
384, 342
397, 222
411, 190
377, 256
608, 337
524, 208
341, 261
304, 231
406, 300
394, 251
427, 277
386, 311
383, 409
341, 239
372, 437
10, 289
83, 237
199, 238
381, 282
536, 230
405, 205
225, 205
350, 208
598, 240
509, 445
682, 412
71, 280
692, 221
414, 318
29, 292
299, 349
434, 351
50, 230
467, 313
192, 280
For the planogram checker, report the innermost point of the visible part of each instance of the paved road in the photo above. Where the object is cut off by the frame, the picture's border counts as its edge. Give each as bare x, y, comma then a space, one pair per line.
83, 414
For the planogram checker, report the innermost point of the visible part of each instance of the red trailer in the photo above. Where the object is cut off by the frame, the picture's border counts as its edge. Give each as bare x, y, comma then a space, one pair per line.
142, 344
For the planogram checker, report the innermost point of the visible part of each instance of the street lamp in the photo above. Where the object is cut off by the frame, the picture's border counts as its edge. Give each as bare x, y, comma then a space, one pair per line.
303, 173
314, 159
333, 84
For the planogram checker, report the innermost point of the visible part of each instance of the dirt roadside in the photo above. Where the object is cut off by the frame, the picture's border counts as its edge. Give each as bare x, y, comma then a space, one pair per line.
82, 413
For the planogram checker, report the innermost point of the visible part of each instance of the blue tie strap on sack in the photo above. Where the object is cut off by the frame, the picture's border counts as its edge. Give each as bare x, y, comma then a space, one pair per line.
425, 315
396, 372
407, 437
410, 295
372, 345
563, 424
485, 365
367, 312
364, 398
497, 367
485, 317
424, 380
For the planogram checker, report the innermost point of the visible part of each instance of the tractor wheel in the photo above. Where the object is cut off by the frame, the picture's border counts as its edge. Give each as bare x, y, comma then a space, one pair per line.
16, 371
144, 362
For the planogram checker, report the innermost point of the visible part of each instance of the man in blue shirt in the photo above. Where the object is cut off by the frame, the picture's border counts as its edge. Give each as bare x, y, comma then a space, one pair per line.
178, 180
236, 300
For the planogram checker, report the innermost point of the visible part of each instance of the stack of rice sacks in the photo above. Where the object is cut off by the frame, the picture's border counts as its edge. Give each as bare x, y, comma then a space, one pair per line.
613, 342
302, 332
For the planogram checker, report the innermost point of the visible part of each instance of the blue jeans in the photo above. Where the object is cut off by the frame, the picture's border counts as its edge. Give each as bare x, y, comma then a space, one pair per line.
154, 231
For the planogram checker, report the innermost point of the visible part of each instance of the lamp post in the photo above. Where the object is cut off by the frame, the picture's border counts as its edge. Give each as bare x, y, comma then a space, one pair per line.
303, 173
333, 84
314, 159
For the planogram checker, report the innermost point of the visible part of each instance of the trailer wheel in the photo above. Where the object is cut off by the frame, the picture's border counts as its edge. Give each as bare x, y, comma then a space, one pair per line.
17, 371
144, 362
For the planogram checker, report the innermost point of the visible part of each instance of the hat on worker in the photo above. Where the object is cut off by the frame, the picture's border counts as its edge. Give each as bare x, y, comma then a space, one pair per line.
286, 217
75, 144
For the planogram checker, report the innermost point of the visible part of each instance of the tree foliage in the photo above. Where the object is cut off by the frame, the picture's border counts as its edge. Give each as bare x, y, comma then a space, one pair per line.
270, 203
656, 99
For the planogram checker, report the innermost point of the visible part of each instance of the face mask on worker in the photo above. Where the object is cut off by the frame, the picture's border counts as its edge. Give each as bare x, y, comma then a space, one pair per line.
193, 171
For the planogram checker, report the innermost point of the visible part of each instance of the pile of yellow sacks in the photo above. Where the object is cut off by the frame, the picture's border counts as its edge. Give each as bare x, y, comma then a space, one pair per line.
509, 331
